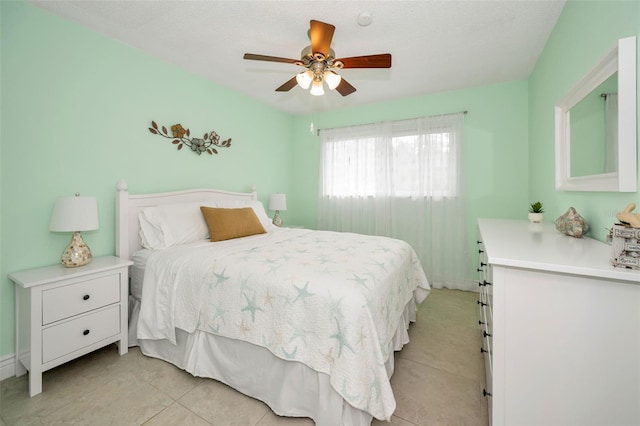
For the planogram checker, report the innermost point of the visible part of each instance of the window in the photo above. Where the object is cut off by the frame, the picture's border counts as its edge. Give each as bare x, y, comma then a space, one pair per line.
396, 159
402, 180
410, 179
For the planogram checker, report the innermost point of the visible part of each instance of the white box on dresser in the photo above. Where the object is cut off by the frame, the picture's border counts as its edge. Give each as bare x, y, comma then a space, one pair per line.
63, 313
565, 331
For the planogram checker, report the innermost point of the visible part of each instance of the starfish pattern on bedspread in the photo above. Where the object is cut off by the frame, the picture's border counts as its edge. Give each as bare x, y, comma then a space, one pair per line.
342, 339
251, 307
332, 301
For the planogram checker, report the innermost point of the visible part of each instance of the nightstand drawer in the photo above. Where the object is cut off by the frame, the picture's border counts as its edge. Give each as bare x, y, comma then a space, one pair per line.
77, 333
64, 302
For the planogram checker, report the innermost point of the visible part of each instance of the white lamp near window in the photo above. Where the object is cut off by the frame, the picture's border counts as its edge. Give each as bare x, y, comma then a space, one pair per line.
75, 214
278, 202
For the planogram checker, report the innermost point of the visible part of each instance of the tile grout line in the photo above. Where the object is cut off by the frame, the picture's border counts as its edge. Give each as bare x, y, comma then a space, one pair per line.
196, 414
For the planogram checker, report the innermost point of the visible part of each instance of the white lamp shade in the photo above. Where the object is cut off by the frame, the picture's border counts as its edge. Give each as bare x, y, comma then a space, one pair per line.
332, 79
304, 79
278, 202
71, 214
316, 88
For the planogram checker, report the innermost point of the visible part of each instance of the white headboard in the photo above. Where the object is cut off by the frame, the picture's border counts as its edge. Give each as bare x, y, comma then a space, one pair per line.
129, 205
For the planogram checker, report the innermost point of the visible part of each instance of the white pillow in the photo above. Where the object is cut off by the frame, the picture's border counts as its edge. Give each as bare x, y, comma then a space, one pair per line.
170, 224
150, 235
257, 207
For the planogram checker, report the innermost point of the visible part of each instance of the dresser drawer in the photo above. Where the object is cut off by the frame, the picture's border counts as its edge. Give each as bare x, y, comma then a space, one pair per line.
69, 336
485, 320
73, 299
482, 306
487, 298
488, 366
487, 353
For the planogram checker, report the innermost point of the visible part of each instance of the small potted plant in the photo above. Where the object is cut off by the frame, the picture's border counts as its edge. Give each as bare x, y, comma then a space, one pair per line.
535, 212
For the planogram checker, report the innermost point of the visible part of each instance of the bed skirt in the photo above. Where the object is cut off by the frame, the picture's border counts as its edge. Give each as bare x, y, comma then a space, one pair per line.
289, 388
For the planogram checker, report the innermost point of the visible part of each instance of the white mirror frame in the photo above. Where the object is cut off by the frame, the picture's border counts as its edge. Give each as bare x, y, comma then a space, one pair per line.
622, 59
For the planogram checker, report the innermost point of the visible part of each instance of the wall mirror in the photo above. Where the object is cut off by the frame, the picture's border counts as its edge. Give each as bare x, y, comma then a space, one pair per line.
595, 126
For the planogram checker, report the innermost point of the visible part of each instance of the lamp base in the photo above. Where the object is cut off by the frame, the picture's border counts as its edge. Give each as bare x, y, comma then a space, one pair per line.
77, 252
277, 220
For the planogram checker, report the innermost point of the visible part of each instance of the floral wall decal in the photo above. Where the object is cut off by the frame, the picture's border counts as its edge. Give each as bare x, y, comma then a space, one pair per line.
209, 143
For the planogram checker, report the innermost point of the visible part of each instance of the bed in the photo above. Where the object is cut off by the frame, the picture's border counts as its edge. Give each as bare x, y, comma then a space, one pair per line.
305, 321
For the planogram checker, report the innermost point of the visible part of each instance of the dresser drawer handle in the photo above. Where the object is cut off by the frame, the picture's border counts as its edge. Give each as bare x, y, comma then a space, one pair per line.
84, 333
483, 350
481, 323
484, 283
485, 334
86, 297
481, 304
485, 393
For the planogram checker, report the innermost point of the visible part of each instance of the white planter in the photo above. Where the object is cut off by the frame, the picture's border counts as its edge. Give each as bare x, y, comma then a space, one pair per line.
536, 217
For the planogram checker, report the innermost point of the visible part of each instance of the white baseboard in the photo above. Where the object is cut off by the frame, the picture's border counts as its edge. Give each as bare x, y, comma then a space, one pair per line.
7, 366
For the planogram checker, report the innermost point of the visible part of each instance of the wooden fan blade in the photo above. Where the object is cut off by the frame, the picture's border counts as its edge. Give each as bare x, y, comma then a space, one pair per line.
255, 57
321, 35
288, 85
382, 60
344, 88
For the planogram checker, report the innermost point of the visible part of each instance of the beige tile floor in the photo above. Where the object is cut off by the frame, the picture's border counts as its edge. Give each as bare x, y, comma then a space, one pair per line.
438, 380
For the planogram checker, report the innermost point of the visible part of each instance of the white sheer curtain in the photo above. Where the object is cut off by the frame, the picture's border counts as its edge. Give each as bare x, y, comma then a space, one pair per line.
611, 131
401, 179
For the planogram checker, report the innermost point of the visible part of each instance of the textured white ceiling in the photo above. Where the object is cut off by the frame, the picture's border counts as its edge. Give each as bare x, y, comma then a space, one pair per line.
436, 45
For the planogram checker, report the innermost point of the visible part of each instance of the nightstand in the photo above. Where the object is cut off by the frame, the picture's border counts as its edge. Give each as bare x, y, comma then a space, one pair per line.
63, 313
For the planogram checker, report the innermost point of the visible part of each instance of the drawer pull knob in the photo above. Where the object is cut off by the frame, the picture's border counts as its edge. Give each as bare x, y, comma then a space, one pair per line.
84, 333
480, 251
481, 304
481, 323
485, 393
480, 269
485, 334
86, 297
484, 283
483, 350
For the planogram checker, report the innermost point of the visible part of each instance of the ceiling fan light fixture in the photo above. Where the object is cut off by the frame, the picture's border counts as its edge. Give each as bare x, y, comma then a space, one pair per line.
304, 79
332, 79
319, 59
316, 88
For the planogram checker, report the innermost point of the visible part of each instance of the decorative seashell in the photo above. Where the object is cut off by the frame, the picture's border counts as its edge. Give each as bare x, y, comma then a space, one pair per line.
572, 224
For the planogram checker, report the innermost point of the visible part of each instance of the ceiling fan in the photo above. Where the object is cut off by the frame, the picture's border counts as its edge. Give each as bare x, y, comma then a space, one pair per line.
320, 62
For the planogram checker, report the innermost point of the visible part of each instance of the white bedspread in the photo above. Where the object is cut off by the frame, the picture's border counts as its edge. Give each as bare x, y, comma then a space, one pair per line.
332, 301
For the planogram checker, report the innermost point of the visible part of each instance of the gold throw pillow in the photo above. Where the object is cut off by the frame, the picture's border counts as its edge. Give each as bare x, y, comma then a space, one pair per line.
227, 224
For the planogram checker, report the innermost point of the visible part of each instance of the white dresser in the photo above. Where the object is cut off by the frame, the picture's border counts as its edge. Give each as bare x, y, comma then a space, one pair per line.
63, 313
561, 328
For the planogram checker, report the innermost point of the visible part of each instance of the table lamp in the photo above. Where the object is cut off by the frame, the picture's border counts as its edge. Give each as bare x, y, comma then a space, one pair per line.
278, 202
75, 214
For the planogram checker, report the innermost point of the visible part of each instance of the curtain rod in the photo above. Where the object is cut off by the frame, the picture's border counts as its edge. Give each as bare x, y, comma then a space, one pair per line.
428, 116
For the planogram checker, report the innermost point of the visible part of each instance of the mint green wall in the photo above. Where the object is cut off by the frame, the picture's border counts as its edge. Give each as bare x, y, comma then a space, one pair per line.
75, 111
495, 148
585, 32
